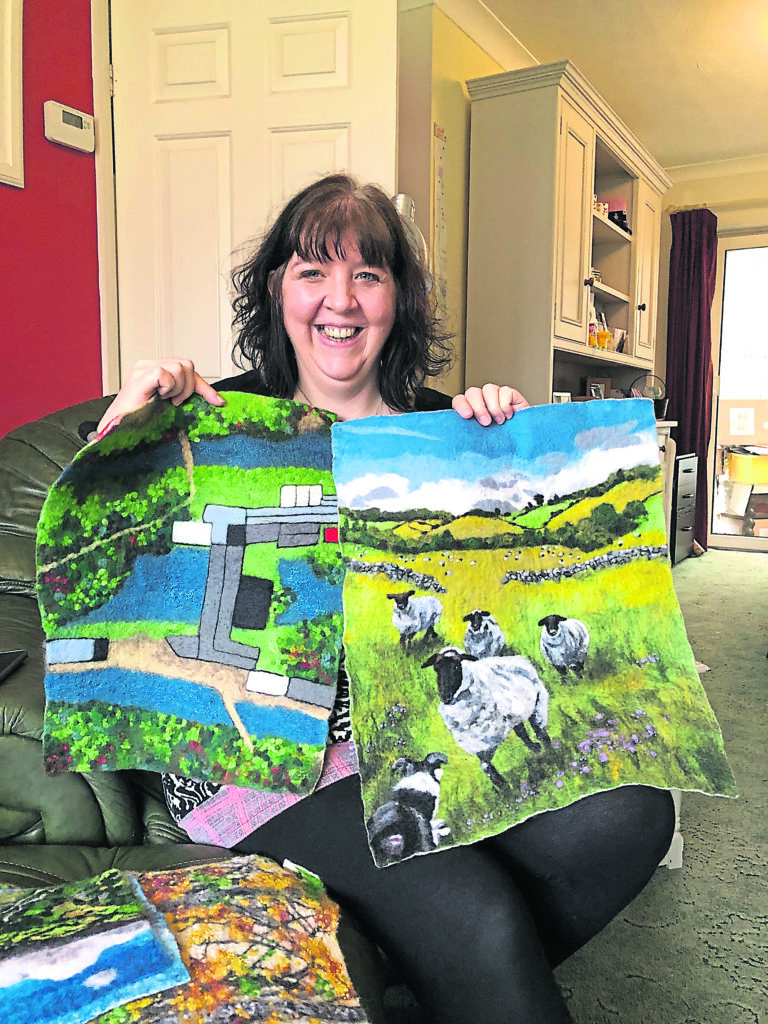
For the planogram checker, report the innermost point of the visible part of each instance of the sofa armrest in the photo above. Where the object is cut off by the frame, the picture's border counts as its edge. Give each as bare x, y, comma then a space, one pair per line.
98, 809
159, 826
32, 866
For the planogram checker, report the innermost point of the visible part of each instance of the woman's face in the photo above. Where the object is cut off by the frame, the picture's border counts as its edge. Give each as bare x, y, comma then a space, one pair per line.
338, 315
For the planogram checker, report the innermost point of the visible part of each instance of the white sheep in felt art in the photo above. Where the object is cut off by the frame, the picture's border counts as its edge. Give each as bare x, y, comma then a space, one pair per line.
412, 615
484, 637
483, 700
564, 643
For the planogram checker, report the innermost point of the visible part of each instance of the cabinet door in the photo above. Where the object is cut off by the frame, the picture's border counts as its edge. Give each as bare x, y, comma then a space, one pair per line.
574, 223
647, 228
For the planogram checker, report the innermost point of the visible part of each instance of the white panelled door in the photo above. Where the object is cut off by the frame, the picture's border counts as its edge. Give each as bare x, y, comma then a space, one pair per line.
222, 109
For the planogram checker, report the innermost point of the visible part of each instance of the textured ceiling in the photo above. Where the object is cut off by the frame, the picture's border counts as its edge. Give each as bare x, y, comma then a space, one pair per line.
689, 77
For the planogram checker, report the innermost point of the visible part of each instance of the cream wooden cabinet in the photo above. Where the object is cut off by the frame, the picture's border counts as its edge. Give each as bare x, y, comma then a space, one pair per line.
646, 280
544, 144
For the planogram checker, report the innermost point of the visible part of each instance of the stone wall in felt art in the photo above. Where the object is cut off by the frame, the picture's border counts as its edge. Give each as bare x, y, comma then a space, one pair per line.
190, 581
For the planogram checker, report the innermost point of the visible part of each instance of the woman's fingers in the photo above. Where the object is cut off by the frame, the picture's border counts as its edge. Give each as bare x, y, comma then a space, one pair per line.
511, 399
171, 379
490, 404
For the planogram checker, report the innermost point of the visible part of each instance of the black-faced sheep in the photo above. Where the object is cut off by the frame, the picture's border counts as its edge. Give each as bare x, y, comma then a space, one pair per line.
484, 637
412, 615
406, 823
564, 643
483, 700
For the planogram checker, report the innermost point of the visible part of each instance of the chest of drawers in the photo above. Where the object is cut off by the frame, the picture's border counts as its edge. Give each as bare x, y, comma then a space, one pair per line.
683, 507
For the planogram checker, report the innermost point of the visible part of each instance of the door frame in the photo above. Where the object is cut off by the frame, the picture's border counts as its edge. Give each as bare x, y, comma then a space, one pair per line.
106, 231
727, 238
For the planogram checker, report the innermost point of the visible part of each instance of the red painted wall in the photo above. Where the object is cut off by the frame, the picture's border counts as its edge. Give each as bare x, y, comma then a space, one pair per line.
50, 345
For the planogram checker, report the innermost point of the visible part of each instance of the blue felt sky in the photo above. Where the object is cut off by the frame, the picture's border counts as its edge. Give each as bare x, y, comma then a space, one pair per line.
436, 460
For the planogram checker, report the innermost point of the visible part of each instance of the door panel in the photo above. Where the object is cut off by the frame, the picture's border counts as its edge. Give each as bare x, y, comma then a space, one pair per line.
575, 189
222, 109
647, 272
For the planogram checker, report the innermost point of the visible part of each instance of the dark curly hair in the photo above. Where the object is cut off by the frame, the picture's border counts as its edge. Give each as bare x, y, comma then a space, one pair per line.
313, 225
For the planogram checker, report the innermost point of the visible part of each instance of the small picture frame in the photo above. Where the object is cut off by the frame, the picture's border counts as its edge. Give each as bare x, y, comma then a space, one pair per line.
598, 387
559, 397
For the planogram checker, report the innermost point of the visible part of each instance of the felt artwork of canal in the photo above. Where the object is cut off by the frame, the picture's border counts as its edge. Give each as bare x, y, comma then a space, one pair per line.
512, 634
190, 586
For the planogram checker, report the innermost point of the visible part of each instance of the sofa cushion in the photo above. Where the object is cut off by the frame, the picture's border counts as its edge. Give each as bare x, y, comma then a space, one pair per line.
30, 866
31, 458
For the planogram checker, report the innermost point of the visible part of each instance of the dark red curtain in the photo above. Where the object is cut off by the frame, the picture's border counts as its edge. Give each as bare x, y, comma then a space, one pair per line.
692, 265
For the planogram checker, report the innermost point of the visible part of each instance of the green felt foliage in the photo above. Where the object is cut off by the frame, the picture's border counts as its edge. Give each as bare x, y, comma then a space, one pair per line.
111, 529
88, 541
98, 736
590, 519
35, 917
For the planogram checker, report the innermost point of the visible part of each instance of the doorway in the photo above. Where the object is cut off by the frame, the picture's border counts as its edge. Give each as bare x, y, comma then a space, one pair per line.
739, 515
216, 111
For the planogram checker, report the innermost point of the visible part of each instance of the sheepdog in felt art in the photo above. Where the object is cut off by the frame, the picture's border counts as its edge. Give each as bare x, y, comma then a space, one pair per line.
512, 635
190, 584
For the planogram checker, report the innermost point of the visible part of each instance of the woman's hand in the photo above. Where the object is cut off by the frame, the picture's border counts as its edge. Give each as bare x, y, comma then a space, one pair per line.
173, 379
490, 404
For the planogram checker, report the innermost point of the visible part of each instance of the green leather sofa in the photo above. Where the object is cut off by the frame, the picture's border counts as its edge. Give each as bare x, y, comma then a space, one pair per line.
72, 826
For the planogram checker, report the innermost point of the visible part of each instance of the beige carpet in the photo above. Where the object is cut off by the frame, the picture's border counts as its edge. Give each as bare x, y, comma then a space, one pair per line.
693, 948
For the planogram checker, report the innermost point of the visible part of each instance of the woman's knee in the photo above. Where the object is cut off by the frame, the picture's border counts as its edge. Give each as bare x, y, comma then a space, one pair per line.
581, 865
647, 814
628, 818
472, 951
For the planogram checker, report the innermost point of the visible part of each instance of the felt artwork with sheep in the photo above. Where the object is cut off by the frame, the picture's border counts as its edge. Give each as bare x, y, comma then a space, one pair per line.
190, 585
512, 634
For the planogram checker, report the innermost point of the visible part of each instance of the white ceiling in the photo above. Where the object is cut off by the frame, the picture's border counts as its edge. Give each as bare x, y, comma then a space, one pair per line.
689, 77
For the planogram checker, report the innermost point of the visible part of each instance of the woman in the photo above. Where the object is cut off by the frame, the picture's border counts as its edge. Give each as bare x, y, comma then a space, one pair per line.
333, 311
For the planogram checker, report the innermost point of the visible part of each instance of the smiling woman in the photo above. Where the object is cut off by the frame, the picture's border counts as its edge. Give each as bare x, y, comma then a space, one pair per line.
338, 314
334, 309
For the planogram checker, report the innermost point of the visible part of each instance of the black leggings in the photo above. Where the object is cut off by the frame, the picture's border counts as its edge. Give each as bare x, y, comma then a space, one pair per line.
477, 929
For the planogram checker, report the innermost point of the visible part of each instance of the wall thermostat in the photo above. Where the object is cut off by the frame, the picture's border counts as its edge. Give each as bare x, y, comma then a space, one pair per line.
68, 127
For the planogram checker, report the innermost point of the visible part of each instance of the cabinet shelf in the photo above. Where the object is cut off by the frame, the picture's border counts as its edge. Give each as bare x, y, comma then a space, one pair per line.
608, 294
600, 355
604, 230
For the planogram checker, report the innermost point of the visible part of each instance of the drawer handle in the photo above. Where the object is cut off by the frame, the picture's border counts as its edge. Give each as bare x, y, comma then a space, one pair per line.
688, 470
685, 529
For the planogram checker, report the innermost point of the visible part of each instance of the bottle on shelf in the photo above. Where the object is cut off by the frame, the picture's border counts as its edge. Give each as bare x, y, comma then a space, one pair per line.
603, 334
592, 336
